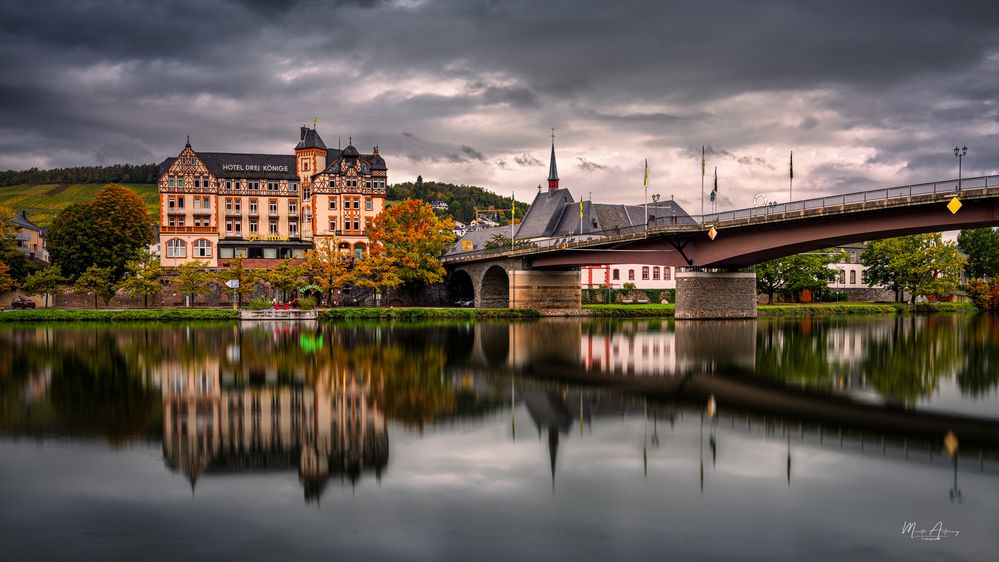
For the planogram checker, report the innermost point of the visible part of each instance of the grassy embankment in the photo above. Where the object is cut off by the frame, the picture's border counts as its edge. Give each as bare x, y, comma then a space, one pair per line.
117, 315
426, 313
44, 201
815, 309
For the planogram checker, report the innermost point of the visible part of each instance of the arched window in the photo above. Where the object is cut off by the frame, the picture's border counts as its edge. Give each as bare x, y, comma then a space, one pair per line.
202, 249
655, 273
853, 276
645, 273
667, 273
176, 248
631, 275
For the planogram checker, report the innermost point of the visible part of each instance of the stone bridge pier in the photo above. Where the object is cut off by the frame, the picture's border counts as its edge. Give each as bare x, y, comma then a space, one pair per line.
707, 295
508, 283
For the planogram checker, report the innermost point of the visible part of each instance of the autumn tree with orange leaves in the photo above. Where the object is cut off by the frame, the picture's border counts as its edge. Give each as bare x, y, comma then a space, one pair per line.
413, 239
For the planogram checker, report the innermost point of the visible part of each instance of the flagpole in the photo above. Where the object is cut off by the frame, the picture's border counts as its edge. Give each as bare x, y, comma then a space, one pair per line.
702, 183
790, 181
513, 215
646, 194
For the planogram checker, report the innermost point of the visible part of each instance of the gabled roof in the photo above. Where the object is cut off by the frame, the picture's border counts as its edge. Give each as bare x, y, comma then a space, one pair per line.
543, 215
255, 166
479, 238
20, 220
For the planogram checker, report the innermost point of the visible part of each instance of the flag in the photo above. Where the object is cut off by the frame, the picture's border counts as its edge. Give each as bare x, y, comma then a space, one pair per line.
703, 161
792, 165
714, 191
646, 172
580, 211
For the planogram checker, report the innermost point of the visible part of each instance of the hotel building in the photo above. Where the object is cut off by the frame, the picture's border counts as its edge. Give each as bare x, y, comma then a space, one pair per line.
215, 206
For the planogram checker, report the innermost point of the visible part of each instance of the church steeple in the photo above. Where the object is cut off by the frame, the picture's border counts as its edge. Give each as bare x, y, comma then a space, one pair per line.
552, 169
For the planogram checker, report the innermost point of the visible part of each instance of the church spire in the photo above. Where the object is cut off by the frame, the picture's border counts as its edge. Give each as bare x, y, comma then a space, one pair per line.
552, 169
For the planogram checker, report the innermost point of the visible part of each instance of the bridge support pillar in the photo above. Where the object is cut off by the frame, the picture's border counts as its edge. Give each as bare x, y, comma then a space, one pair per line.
704, 295
548, 290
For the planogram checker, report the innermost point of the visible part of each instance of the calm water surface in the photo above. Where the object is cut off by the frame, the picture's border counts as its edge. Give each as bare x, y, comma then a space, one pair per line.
546, 440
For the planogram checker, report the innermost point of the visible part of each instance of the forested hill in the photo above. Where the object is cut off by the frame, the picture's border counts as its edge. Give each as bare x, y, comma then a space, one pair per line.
462, 200
116, 173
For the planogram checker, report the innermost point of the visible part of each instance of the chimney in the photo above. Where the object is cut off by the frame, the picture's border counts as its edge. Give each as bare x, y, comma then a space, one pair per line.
304, 130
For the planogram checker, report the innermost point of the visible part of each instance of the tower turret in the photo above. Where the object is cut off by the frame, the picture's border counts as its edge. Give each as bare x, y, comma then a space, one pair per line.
552, 169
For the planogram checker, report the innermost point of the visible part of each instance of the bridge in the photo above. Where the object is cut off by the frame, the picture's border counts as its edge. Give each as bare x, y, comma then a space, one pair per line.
715, 251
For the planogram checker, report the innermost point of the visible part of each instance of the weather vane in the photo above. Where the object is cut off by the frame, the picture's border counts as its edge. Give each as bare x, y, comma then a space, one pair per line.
314, 121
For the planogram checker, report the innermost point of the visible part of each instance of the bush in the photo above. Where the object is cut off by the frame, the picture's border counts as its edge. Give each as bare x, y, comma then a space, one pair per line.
91, 315
629, 286
260, 304
307, 303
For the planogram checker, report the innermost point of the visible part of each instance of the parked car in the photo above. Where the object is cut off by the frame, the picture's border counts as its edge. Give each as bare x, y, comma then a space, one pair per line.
465, 303
21, 302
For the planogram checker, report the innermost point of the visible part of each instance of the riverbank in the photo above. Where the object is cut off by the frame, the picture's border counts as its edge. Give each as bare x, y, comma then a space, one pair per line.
117, 315
349, 313
852, 308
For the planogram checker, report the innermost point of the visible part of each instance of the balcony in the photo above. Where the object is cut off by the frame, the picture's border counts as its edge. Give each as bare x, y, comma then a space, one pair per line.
273, 212
233, 212
176, 211
254, 212
188, 230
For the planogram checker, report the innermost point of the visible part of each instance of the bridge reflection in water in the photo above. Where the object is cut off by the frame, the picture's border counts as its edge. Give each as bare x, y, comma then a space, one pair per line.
322, 401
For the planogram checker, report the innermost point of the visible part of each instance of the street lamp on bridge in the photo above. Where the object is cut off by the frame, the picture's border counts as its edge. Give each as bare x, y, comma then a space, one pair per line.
960, 153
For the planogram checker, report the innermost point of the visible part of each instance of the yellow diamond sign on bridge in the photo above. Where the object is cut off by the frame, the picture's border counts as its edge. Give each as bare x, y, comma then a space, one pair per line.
954, 206
712, 233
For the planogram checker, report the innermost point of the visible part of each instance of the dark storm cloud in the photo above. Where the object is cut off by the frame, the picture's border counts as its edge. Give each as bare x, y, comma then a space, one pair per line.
875, 91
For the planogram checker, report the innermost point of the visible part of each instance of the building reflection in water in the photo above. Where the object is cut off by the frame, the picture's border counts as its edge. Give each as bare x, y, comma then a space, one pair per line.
236, 422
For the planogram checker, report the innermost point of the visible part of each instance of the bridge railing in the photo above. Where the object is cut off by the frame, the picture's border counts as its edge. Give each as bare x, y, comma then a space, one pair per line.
884, 195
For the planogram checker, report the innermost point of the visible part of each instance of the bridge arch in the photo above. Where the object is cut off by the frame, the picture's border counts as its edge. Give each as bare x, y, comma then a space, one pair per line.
494, 291
460, 287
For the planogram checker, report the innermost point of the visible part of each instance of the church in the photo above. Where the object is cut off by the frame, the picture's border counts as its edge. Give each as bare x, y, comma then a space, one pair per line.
215, 206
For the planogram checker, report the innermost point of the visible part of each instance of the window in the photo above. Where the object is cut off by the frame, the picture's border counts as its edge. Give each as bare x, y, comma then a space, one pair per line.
617, 275
253, 185
197, 182
292, 207
237, 205
171, 181
171, 202
253, 226
180, 202
253, 206
368, 205
842, 277
853, 276
332, 203
631, 275
201, 221
667, 273
176, 248
180, 182
305, 165
272, 206
228, 204
293, 228
332, 225
357, 202
293, 186
272, 186
202, 249
228, 225
367, 184
655, 274
863, 276
645, 273
228, 184
180, 220
273, 227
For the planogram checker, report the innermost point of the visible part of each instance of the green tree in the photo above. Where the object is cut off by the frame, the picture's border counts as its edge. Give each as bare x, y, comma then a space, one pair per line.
192, 279
377, 272
142, 277
244, 277
413, 238
48, 281
107, 232
7, 283
921, 264
286, 278
97, 281
981, 245
328, 267
6, 221
793, 274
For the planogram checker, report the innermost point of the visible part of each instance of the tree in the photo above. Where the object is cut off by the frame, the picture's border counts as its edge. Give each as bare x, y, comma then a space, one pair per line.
413, 238
922, 264
48, 281
192, 279
7, 283
96, 281
244, 277
328, 266
286, 278
107, 232
142, 276
793, 274
981, 245
6, 221
377, 271
501, 241
18, 264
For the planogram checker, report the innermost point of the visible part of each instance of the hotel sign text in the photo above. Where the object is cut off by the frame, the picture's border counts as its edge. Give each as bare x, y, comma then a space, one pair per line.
254, 168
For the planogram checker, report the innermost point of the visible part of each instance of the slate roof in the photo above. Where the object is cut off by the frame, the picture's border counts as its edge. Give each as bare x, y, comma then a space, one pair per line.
479, 238
310, 139
552, 169
21, 220
254, 166
543, 215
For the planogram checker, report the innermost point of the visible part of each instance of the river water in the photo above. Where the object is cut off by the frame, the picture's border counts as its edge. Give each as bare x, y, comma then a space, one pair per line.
802, 439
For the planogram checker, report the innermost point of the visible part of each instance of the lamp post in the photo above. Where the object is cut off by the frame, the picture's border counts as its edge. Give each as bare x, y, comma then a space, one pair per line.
960, 153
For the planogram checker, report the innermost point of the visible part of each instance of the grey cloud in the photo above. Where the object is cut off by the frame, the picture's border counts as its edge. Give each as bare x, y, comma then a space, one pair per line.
526, 160
588, 166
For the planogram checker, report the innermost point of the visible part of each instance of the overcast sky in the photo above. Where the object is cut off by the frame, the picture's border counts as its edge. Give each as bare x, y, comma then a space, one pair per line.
867, 94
